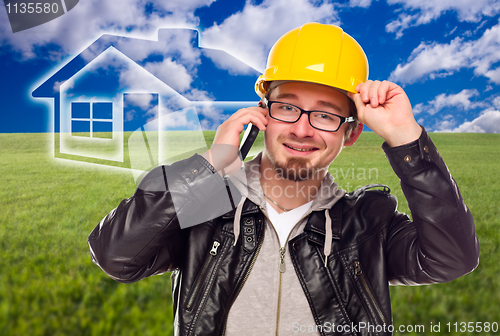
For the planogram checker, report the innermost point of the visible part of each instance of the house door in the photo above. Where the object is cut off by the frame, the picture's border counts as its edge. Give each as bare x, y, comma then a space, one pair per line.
140, 125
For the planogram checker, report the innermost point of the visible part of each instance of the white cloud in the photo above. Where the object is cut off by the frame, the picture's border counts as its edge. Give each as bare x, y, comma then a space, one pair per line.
493, 75
89, 19
424, 11
170, 42
431, 59
461, 101
446, 125
452, 31
436, 60
142, 100
176, 119
418, 108
213, 116
130, 115
198, 95
496, 102
397, 26
185, 119
487, 122
249, 35
168, 69
360, 3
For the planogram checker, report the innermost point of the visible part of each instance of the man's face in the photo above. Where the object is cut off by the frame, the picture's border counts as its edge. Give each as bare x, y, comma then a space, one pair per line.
298, 151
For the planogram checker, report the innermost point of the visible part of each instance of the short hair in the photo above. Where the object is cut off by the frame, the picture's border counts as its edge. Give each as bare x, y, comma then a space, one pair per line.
354, 112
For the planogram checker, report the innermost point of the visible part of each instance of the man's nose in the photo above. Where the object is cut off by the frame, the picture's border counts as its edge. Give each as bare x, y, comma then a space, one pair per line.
302, 128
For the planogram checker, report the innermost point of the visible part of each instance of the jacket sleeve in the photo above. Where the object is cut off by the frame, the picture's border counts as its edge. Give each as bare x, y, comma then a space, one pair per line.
143, 235
440, 244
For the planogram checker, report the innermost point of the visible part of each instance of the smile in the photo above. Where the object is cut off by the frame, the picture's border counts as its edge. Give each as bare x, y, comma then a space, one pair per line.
300, 149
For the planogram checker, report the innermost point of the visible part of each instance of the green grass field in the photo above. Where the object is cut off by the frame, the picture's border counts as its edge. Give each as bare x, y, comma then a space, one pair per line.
48, 207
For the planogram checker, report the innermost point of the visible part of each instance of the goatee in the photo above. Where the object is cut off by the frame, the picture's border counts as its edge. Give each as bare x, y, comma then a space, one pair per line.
295, 169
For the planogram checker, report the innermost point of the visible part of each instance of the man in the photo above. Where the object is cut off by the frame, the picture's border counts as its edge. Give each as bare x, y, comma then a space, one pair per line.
292, 253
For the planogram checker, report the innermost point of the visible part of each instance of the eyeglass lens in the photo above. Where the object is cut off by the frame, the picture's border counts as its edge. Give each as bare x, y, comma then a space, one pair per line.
319, 119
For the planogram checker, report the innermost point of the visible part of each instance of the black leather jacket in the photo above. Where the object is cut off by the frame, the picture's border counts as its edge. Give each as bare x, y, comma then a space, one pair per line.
373, 244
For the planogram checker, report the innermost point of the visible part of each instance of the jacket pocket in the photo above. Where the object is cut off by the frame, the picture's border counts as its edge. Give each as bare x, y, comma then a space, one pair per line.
371, 300
208, 265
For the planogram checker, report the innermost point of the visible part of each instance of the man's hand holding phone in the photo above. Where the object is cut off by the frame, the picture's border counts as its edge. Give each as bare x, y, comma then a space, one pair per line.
223, 154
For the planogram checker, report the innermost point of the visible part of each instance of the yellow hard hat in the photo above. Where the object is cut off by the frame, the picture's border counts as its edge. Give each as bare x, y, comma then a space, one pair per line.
316, 53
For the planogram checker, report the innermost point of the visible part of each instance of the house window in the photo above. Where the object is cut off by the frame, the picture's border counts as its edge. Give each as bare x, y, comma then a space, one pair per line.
94, 120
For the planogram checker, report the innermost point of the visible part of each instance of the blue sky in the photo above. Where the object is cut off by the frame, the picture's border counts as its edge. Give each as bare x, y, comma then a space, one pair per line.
445, 53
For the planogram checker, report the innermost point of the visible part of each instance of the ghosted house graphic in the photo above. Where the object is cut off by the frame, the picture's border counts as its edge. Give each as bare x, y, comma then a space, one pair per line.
125, 93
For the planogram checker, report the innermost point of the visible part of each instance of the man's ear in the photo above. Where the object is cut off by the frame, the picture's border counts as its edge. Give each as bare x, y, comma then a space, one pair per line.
354, 135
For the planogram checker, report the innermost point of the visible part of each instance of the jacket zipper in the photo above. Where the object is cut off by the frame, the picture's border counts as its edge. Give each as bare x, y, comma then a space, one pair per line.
359, 273
282, 266
201, 278
282, 269
245, 278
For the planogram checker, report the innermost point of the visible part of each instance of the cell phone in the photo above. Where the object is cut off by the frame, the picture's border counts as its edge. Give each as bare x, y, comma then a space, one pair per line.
248, 139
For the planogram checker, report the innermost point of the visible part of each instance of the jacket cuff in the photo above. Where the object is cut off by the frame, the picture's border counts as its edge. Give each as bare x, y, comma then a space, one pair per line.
198, 192
194, 168
199, 175
414, 156
181, 174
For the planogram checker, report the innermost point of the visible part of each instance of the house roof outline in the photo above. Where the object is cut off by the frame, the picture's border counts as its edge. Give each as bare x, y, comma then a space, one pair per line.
225, 87
148, 84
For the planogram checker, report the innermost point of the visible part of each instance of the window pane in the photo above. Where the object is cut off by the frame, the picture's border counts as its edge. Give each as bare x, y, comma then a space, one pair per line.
102, 110
102, 129
80, 128
80, 110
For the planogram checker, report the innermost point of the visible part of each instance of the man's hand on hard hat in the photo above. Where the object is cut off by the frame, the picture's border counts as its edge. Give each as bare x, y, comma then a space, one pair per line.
385, 108
224, 151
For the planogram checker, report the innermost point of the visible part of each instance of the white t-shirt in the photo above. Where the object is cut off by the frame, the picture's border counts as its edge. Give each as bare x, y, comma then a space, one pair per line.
283, 223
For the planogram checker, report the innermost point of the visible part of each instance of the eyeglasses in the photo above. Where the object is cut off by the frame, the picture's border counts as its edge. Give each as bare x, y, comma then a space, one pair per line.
324, 121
